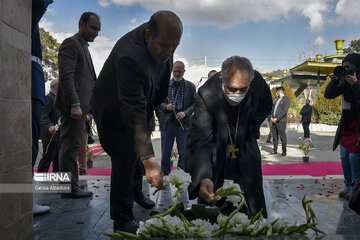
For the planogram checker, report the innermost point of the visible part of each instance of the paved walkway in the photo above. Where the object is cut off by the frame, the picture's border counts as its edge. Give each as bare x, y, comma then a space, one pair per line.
89, 218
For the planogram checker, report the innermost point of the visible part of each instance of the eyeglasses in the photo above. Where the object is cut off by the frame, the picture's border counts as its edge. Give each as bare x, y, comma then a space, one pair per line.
233, 90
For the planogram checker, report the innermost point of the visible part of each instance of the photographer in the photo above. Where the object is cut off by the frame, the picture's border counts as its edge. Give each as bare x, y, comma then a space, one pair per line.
345, 83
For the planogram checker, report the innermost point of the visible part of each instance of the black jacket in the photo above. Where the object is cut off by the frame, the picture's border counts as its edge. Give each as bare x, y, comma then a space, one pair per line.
49, 117
305, 113
130, 85
207, 141
163, 115
335, 88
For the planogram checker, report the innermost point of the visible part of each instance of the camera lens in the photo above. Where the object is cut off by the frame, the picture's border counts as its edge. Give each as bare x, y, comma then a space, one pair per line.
340, 71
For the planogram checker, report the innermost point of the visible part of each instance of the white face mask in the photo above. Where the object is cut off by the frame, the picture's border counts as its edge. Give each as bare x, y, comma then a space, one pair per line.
234, 99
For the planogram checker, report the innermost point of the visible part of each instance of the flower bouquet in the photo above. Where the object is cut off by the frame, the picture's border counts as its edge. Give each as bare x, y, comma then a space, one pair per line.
305, 146
173, 223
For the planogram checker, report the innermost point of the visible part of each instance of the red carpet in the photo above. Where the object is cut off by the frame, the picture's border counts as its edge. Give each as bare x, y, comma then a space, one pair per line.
316, 169
293, 169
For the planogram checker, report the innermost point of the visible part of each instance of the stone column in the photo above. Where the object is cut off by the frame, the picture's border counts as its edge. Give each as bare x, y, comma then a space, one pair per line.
15, 116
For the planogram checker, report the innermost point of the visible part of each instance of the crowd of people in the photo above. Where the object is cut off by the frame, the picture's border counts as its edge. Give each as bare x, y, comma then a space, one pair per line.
216, 128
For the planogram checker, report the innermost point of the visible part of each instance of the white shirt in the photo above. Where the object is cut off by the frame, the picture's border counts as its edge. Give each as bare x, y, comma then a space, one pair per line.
277, 104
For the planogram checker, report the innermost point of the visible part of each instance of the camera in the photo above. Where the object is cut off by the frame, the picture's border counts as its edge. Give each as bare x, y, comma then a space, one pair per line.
341, 71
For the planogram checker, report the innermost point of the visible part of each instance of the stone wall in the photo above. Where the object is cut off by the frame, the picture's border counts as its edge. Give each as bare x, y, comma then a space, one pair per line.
15, 116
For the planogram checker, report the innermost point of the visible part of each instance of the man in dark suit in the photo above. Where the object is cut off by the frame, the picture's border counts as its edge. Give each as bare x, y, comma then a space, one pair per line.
180, 101
279, 120
76, 81
49, 119
305, 113
134, 80
230, 108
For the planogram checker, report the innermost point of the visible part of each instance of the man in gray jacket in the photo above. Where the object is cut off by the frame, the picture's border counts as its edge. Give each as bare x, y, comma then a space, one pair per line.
174, 117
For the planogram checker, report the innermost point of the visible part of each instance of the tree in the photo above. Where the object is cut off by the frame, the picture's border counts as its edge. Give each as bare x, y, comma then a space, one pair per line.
354, 47
308, 52
50, 48
328, 110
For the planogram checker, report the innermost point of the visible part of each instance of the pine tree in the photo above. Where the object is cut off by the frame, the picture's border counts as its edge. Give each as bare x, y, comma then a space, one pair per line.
328, 110
50, 48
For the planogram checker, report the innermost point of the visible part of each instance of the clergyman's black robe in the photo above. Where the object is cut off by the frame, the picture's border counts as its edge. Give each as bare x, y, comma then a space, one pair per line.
208, 139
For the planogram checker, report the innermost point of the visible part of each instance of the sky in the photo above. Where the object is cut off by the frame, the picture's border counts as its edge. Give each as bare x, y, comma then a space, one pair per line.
273, 34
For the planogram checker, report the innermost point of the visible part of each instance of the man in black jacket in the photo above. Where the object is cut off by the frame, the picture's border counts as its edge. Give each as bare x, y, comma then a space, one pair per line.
49, 131
305, 113
279, 120
134, 80
174, 117
229, 110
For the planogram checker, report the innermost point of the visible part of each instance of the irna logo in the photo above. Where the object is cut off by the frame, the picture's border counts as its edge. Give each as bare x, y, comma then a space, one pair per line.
52, 177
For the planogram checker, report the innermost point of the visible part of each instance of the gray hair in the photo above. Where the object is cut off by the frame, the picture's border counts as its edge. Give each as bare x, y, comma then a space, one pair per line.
53, 84
239, 63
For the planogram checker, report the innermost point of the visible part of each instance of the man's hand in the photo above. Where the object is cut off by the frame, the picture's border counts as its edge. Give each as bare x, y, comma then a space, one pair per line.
351, 79
274, 120
89, 117
76, 112
170, 107
52, 130
153, 173
180, 115
206, 191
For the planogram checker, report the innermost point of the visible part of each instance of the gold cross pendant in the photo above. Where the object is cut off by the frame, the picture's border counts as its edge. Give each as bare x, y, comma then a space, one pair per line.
233, 150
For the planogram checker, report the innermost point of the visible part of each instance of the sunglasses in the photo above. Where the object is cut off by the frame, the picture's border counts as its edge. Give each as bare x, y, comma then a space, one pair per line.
233, 90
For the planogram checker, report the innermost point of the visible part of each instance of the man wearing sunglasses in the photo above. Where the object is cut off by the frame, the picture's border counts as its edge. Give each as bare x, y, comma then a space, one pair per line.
228, 113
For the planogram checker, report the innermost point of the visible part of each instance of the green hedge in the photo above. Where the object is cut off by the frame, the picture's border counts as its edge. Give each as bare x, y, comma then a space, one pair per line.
328, 111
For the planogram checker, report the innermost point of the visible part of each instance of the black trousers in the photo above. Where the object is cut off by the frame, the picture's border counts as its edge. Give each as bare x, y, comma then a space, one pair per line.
51, 156
70, 138
279, 129
127, 170
126, 182
306, 129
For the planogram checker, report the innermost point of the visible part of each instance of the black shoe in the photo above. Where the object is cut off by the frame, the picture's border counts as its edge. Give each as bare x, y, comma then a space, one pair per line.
273, 153
283, 154
144, 201
77, 192
126, 226
80, 185
344, 192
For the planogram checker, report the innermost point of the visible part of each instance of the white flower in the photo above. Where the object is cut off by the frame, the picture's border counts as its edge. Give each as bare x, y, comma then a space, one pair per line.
234, 199
204, 227
141, 228
240, 218
153, 221
180, 179
174, 222
237, 228
228, 183
221, 219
